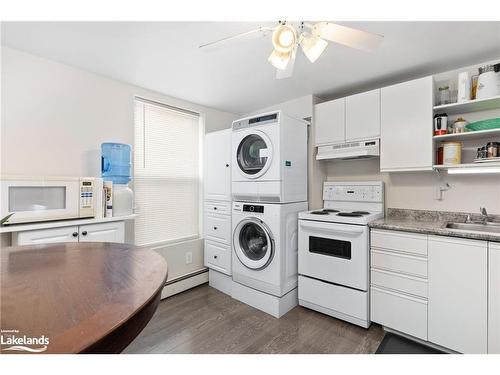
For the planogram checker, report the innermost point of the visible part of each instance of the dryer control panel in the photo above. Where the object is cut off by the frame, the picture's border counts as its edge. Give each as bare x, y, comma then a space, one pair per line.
243, 207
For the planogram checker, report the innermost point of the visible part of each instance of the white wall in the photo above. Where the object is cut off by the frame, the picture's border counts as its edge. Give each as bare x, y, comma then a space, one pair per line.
417, 190
54, 118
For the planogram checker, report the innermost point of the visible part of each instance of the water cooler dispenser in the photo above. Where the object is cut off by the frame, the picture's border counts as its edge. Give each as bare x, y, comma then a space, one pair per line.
116, 167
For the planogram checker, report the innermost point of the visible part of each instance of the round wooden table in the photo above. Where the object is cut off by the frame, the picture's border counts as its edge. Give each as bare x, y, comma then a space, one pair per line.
82, 297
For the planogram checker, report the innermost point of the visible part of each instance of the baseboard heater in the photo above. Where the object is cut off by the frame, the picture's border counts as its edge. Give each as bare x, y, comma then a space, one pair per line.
186, 276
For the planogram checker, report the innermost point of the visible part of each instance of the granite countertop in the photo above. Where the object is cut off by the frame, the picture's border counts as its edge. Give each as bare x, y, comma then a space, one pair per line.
432, 222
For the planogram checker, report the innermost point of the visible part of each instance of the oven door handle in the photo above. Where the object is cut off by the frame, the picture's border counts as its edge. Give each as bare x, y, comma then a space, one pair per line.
329, 228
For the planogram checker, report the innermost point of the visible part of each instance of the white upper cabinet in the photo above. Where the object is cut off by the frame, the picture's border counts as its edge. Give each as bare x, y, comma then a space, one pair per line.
362, 116
494, 298
406, 111
329, 122
458, 288
217, 165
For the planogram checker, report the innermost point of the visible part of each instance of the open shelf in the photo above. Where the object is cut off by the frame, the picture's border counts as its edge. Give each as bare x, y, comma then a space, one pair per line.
468, 135
472, 167
470, 106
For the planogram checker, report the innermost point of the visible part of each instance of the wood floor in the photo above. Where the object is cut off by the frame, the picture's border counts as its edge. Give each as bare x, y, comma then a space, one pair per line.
204, 320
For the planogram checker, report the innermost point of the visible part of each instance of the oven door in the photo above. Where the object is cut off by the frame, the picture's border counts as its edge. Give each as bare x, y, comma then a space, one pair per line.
44, 200
336, 253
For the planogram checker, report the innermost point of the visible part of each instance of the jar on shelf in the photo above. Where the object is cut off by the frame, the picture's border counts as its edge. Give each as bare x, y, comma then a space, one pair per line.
444, 95
452, 153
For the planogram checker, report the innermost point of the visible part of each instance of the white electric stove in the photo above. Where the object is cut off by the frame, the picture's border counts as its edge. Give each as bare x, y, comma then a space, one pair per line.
334, 250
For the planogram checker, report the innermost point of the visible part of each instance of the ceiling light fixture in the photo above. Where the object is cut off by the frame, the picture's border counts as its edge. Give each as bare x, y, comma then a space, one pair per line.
284, 38
312, 37
279, 60
312, 46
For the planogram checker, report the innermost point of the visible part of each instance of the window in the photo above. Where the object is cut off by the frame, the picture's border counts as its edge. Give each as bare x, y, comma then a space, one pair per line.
167, 173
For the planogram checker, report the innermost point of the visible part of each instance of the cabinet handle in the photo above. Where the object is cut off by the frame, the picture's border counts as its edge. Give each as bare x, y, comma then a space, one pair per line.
215, 256
215, 228
227, 165
75, 234
215, 208
84, 233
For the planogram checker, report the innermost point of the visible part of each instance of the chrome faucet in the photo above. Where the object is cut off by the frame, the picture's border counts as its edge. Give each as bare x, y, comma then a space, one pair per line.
484, 215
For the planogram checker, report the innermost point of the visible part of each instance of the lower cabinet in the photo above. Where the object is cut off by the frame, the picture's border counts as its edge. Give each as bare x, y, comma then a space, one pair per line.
104, 232
217, 234
218, 256
494, 298
399, 281
101, 232
458, 294
43, 236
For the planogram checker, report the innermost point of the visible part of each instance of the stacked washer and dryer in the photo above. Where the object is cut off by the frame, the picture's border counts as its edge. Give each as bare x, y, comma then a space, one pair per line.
269, 189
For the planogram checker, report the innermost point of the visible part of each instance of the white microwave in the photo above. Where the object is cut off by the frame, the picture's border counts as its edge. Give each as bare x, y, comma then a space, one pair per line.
32, 199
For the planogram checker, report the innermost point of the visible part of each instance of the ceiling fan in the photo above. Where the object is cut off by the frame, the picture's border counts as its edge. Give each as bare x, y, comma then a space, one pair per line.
312, 38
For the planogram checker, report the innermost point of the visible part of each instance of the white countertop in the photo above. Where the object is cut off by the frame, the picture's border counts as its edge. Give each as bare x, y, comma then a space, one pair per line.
62, 223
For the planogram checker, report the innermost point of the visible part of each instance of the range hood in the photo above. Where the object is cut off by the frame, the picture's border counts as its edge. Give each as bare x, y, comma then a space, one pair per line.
350, 150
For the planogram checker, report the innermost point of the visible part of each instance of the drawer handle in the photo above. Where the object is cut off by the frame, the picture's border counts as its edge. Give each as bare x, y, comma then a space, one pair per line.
75, 234
215, 208
84, 233
215, 228
215, 256
227, 165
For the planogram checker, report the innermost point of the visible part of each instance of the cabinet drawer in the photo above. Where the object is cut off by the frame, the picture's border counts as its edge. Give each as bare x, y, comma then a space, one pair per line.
218, 256
218, 228
399, 312
406, 264
399, 282
399, 241
218, 207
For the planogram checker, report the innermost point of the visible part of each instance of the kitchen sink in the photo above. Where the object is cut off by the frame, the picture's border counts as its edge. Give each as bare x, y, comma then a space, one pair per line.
476, 227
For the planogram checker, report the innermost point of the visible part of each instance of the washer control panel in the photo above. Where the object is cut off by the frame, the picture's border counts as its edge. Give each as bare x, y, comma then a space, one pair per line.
243, 207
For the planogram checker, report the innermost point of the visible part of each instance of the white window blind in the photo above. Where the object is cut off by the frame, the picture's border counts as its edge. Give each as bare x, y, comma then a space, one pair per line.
167, 173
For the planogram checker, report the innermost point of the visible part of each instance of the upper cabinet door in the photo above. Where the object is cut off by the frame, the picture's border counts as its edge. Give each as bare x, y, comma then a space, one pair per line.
458, 287
329, 122
362, 116
217, 165
406, 126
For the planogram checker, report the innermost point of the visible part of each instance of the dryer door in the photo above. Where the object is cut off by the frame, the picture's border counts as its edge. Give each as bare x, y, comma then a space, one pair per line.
253, 243
254, 154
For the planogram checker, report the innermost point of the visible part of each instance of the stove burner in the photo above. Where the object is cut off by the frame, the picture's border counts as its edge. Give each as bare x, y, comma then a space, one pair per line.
319, 212
361, 212
349, 214
330, 210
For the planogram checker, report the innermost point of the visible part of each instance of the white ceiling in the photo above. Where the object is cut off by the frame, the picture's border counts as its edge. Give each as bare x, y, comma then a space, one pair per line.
164, 56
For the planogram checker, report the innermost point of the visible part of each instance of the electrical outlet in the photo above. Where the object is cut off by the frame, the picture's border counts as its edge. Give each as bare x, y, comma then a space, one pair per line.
189, 257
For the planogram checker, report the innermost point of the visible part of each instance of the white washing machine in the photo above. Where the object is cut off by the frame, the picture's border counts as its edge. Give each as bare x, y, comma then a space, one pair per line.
265, 246
269, 159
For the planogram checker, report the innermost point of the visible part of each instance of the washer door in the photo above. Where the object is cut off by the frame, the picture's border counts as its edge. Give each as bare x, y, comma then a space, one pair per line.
254, 154
253, 243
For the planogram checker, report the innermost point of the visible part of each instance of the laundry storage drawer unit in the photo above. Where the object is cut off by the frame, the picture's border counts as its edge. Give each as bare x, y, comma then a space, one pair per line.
217, 205
399, 281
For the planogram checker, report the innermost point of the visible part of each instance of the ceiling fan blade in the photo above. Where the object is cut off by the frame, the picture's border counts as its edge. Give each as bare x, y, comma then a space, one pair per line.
252, 34
288, 71
347, 36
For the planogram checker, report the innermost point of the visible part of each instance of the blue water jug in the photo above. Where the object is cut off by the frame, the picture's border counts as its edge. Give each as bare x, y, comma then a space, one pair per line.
115, 162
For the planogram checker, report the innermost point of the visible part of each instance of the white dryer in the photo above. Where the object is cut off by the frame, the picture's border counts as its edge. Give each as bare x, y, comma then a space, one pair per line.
269, 159
265, 246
